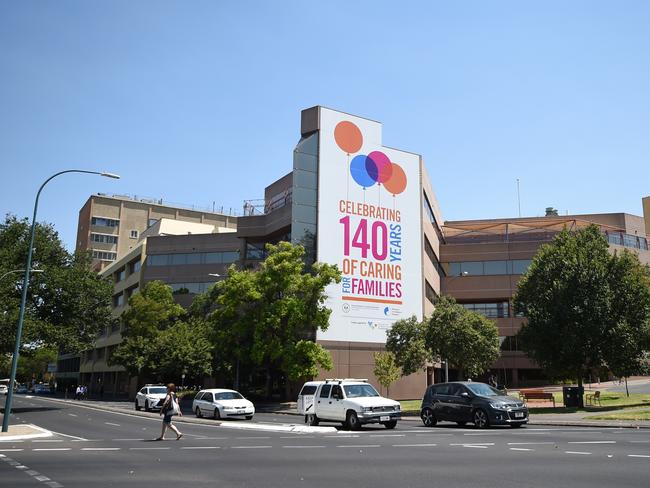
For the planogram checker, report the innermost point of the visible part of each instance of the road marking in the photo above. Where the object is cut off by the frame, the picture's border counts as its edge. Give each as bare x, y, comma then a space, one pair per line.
639, 442
48, 440
32, 472
638, 455
520, 449
72, 414
100, 448
251, 447
302, 437
53, 449
529, 443
432, 434
11, 450
414, 445
201, 447
148, 448
302, 447
577, 452
591, 442
111, 423
70, 436
342, 436
387, 435
360, 445
474, 444
41, 478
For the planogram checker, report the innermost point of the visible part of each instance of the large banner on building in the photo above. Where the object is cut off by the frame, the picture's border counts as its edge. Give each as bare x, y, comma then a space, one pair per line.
369, 225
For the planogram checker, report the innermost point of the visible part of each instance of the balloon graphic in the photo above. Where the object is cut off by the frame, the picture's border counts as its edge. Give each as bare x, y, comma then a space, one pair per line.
348, 136
359, 171
396, 184
379, 166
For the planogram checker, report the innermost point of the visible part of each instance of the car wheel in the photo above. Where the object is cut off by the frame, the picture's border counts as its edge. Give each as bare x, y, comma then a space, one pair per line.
461, 424
147, 408
311, 419
390, 425
428, 418
137, 406
198, 412
249, 417
352, 421
481, 420
216, 415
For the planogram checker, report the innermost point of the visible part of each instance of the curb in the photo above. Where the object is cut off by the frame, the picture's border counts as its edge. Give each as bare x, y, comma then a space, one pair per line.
19, 437
295, 428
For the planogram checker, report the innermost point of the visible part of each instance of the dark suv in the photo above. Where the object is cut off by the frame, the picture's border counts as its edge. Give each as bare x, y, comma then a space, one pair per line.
463, 402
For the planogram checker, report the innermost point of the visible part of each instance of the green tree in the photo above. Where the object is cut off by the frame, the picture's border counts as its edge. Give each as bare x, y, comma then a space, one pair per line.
67, 304
160, 340
32, 364
406, 341
467, 340
386, 369
585, 307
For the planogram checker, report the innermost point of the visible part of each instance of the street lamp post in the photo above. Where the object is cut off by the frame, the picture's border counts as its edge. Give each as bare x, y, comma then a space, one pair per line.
23, 300
19, 271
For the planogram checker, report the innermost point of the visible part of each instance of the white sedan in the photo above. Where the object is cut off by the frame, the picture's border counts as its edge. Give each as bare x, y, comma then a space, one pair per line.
219, 403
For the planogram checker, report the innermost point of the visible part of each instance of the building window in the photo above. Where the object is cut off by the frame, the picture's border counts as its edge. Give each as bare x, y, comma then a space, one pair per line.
430, 293
489, 309
255, 250
133, 234
103, 238
428, 209
104, 222
428, 248
151, 222
119, 275
104, 255
118, 300
193, 288
134, 266
509, 343
488, 268
222, 257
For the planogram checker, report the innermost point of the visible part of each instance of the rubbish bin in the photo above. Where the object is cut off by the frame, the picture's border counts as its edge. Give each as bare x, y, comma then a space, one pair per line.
572, 395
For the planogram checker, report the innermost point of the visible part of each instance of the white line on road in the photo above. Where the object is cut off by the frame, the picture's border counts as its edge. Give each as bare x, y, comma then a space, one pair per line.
72, 414
638, 455
302, 447
49, 440
53, 449
529, 443
577, 452
111, 423
70, 436
520, 449
414, 445
387, 435
592, 442
251, 447
474, 444
360, 445
41, 478
201, 447
11, 450
149, 448
100, 448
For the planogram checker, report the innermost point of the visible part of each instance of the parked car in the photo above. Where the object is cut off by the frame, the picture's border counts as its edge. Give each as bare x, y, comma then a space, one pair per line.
151, 397
22, 389
354, 403
305, 402
220, 403
3, 389
41, 388
464, 402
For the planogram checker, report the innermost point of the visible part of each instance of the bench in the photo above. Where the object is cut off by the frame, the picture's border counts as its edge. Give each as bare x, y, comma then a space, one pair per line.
593, 398
536, 395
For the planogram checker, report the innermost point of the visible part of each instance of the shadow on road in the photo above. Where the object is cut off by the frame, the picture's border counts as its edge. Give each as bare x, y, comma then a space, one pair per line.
16, 410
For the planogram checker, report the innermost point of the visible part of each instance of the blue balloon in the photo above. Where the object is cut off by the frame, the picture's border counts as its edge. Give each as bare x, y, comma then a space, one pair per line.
359, 170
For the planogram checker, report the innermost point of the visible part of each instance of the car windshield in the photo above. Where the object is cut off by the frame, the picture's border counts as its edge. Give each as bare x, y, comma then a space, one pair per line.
228, 395
483, 390
355, 391
159, 389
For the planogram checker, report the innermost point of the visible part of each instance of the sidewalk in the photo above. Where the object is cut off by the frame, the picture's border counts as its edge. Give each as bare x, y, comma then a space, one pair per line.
24, 431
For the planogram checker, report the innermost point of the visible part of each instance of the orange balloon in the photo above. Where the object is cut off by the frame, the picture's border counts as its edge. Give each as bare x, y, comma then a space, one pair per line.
396, 184
348, 136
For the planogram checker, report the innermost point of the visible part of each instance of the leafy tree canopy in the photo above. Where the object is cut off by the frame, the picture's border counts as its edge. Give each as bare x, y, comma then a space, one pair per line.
585, 307
406, 340
67, 304
386, 369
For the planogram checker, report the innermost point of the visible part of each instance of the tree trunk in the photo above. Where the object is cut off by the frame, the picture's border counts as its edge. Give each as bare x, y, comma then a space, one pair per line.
581, 400
627, 391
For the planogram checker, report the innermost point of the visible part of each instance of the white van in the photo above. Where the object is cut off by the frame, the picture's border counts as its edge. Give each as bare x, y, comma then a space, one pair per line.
306, 397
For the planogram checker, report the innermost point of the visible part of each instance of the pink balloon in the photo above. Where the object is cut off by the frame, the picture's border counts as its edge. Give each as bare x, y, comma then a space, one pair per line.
383, 165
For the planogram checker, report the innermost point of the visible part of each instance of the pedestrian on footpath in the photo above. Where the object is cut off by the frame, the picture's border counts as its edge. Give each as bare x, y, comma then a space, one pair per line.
77, 394
170, 408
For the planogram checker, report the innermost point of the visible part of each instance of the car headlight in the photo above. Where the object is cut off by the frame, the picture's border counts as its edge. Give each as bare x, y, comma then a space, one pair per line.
497, 406
398, 408
366, 409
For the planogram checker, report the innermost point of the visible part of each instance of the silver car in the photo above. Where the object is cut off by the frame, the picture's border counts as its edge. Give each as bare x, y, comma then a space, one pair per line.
220, 403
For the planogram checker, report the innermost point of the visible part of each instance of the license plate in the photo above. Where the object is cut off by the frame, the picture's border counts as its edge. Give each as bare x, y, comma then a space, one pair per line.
519, 415
384, 418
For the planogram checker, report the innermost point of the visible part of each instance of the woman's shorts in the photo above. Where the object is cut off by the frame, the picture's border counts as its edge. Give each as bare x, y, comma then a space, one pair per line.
167, 419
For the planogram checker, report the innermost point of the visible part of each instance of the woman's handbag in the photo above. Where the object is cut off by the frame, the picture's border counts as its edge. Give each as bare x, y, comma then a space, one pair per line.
175, 407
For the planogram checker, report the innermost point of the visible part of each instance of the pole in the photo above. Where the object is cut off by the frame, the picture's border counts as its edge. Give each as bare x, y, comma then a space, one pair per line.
446, 371
518, 198
23, 299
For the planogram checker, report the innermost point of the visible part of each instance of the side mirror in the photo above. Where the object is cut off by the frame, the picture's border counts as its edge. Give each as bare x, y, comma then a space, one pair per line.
464, 394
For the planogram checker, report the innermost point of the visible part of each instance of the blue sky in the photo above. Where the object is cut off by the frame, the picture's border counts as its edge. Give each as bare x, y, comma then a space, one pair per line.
199, 102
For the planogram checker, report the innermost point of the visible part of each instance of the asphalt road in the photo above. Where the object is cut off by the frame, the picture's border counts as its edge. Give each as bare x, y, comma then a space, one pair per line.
95, 448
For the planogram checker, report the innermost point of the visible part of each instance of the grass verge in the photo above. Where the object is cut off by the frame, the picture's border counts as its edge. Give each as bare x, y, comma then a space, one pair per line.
623, 415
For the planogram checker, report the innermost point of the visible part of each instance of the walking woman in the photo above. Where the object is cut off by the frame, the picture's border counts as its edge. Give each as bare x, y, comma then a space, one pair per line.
170, 408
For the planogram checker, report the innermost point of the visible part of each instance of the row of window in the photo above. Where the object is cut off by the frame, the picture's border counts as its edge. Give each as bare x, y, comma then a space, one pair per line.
103, 238
133, 267
430, 293
104, 222
627, 240
104, 255
194, 288
428, 248
120, 299
490, 309
223, 257
479, 268
428, 209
